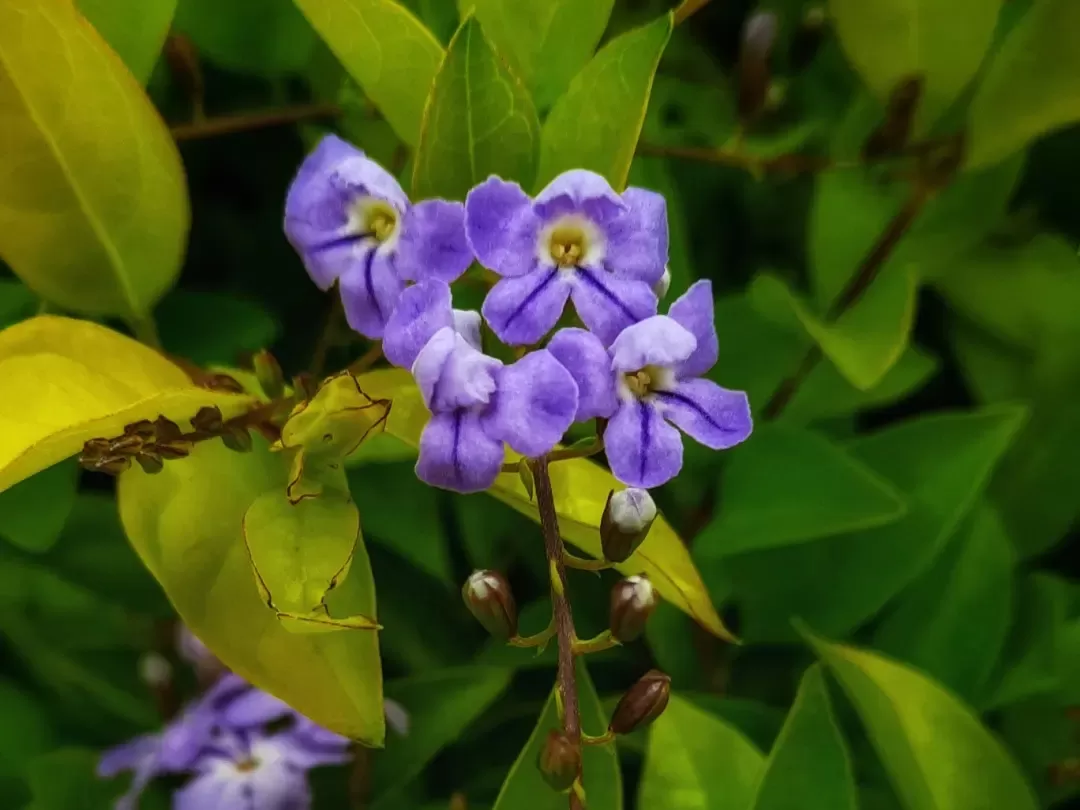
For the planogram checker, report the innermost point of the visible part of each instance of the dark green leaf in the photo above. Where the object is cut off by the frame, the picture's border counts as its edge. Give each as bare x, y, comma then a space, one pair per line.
596, 124
441, 706
525, 788
808, 766
790, 485
222, 32
213, 329
66, 780
24, 734
952, 622
479, 121
33, 512
135, 29
940, 462
696, 760
16, 302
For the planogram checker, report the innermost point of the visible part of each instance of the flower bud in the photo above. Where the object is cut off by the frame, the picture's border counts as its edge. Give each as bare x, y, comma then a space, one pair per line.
560, 761
208, 420
268, 373
150, 461
643, 703
632, 602
664, 284
155, 671
222, 382
758, 38
237, 439
487, 595
628, 516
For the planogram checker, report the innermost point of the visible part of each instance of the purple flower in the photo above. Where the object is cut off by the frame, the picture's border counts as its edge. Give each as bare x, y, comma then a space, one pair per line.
576, 239
650, 376
422, 311
256, 770
351, 222
477, 403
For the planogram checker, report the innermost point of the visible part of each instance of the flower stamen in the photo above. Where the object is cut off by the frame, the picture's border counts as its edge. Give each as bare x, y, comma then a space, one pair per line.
568, 245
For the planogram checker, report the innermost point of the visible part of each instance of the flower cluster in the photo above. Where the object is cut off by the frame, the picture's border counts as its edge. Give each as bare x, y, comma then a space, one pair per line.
639, 372
241, 747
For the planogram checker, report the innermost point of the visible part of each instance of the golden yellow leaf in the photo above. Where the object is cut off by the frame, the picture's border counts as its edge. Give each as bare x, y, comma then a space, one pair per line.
66, 381
93, 203
581, 488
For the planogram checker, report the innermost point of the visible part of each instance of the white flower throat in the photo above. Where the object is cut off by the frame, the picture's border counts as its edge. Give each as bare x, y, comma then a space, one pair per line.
644, 383
571, 241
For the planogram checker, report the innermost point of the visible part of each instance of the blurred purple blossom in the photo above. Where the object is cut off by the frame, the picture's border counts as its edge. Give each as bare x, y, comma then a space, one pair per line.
652, 376
576, 239
352, 223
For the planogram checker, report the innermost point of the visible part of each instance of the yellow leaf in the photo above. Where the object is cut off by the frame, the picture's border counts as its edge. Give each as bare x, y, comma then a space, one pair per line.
186, 523
66, 381
93, 205
581, 488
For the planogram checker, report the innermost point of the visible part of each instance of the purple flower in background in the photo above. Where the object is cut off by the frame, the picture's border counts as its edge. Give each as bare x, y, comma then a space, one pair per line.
351, 222
260, 771
576, 239
477, 403
650, 376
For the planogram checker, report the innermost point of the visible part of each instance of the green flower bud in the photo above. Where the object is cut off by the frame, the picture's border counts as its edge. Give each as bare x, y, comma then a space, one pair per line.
268, 372
560, 761
642, 703
488, 596
628, 516
632, 602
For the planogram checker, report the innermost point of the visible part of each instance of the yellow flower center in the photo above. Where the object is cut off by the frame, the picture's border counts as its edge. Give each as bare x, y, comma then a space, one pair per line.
247, 765
377, 218
640, 382
568, 245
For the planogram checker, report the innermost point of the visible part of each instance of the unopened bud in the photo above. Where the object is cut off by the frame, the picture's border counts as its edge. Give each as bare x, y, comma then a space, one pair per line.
560, 761
628, 516
759, 36
208, 420
632, 602
643, 703
222, 382
111, 465
150, 461
237, 438
144, 429
268, 372
664, 284
155, 671
488, 596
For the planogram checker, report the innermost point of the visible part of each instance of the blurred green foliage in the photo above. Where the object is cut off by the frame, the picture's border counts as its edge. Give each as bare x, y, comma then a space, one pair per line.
896, 545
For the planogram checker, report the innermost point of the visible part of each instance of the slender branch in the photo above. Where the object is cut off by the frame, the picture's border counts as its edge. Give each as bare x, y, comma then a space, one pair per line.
245, 122
585, 564
604, 641
688, 8
560, 605
539, 640
583, 451
850, 295
329, 334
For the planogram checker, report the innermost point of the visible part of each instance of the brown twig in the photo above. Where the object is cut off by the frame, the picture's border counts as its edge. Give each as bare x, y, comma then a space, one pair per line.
245, 122
687, 8
850, 295
560, 606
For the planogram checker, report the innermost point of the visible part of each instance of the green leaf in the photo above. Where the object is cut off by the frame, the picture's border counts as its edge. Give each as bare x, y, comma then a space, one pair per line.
16, 302
525, 788
398, 510
1031, 87
1030, 664
790, 485
1041, 734
596, 124
66, 780
186, 524
696, 761
222, 33
135, 29
441, 706
227, 327
952, 622
1027, 295
937, 753
386, 50
24, 735
890, 40
808, 766
852, 209
547, 41
479, 121
864, 342
93, 216
300, 551
33, 512
940, 462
